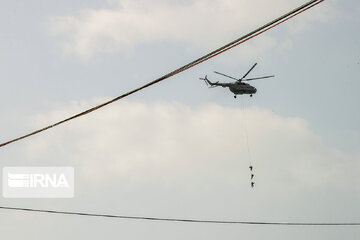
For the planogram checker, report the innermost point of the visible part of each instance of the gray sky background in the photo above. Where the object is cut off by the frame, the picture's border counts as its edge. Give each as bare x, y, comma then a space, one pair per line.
178, 149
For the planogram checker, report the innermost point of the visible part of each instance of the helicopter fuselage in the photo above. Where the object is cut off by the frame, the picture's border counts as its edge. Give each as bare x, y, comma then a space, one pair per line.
238, 87
242, 88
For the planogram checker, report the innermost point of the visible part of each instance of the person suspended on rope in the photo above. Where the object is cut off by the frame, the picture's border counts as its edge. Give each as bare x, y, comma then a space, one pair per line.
252, 184
251, 167
252, 176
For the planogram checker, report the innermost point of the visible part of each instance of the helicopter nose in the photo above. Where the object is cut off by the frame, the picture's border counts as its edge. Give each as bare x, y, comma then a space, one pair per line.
255, 90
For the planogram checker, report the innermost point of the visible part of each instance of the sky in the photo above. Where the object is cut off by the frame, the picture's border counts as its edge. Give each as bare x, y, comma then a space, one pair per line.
179, 149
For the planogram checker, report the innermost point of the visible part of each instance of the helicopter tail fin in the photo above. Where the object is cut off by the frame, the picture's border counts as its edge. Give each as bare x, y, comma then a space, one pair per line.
206, 80
209, 83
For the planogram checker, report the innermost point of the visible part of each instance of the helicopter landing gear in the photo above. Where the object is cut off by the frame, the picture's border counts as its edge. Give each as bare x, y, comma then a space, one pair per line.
250, 95
234, 96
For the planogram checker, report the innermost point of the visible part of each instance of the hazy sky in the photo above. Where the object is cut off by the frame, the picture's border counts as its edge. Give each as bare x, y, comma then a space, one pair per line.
178, 149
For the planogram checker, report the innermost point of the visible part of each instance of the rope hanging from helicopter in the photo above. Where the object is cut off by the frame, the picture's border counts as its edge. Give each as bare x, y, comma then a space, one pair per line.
244, 125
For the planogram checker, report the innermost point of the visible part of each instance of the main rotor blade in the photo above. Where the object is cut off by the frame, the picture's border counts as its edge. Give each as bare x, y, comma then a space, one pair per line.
226, 75
248, 71
250, 79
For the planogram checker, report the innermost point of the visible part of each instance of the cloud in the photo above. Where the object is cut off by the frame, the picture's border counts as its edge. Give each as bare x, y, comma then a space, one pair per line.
167, 159
171, 143
204, 23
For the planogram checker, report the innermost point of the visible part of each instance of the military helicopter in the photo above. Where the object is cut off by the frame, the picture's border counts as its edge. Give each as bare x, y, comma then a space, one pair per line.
237, 87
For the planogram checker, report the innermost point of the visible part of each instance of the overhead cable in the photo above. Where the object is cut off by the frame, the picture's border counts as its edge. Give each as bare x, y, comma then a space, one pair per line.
206, 57
183, 220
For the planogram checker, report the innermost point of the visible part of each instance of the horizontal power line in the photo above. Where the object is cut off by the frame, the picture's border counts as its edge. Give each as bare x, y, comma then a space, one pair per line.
180, 219
206, 57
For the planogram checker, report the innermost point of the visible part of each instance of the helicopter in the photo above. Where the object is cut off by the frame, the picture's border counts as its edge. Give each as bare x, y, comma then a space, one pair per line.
238, 87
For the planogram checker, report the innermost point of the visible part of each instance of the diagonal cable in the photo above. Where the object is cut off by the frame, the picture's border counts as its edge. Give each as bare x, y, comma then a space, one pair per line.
206, 57
182, 219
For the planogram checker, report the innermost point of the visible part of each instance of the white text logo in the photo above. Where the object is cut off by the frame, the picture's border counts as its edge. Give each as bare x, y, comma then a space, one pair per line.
38, 182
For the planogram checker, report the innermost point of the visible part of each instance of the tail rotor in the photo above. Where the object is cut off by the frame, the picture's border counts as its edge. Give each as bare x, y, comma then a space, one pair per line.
205, 80
208, 83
